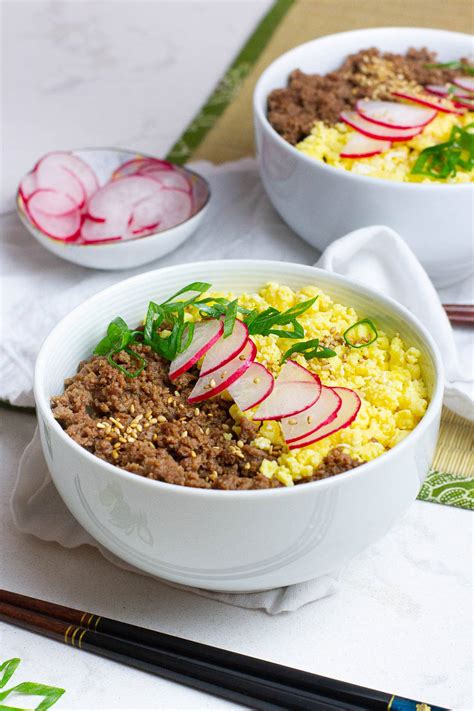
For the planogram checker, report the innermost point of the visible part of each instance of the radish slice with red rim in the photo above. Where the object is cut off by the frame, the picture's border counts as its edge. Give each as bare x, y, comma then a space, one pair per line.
350, 406
464, 102
438, 104
214, 383
296, 389
206, 333
52, 202
394, 115
360, 146
28, 185
167, 178
116, 199
254, 386
94, 232
466, 83
54, 171
322, 413
136, 164
380, 132
225, 349
448, 91
64, 228
166, 208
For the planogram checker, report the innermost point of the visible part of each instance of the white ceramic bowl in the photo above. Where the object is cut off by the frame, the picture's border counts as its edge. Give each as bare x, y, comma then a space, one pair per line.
231, 540
129, 253
322, 203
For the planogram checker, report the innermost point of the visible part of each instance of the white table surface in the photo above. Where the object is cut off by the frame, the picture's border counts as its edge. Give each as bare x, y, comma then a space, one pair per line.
133, 74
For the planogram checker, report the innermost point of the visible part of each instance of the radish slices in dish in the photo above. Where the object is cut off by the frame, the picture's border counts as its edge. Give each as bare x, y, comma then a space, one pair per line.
63, 199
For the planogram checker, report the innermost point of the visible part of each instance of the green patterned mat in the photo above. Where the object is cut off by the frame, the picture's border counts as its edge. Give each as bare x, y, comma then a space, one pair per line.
448, 490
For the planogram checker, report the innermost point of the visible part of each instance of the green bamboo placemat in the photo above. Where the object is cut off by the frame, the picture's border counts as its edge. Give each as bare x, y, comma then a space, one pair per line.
222, 131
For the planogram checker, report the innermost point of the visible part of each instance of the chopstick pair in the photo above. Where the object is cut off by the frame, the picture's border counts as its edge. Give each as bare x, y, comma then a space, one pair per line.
235, 677
460, 314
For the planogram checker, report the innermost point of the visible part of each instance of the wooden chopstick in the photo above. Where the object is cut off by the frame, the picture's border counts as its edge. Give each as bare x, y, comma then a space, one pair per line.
254, 682
460, 314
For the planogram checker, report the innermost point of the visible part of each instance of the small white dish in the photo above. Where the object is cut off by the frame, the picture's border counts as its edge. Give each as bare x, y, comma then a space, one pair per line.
238, 541
322, 203
128, 253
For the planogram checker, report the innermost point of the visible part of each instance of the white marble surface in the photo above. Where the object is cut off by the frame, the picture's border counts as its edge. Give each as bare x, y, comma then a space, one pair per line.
118, 72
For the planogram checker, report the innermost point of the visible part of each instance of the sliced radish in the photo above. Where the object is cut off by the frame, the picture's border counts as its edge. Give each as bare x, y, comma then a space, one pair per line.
164, 209
93, 232
225, 349
83, 173
394, 115
360, 146
322, 413
51, 202
374, 131
117, 198
347, 413
54, 171
438, 104
167, 178
206, 333
28, 185
295, 390
445, 90
466, 83
214, 383
61, 227
133, 166
254, 386
464, 102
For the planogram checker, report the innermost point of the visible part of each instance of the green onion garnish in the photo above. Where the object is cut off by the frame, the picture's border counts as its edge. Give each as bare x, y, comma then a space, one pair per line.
361, 334
455, 64
443, 160
128, 373
310, 349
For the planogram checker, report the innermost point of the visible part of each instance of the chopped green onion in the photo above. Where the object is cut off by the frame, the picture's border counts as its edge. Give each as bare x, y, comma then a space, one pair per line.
128, 373
230, 316
455, 64
443, 160
361, 334
310, 349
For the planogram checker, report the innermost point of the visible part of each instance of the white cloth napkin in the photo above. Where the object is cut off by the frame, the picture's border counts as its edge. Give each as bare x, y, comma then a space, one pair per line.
39, 289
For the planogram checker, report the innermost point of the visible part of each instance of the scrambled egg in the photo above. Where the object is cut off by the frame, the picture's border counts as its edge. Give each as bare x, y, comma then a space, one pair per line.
386, 375
325, 143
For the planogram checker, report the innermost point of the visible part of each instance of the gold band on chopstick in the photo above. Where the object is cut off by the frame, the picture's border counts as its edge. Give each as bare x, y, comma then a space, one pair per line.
79, 641
73, 630
71, 627
90, 624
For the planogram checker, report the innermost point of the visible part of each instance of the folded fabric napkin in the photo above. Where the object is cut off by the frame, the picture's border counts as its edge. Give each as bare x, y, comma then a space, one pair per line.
240, 222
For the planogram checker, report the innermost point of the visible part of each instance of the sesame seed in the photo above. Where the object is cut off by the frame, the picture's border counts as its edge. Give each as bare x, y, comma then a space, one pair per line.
184, 434
117, 431
131, 439
161, 418
180, 405
242, 357
148, 414
247, 465
170, 400
212, 383
117, 422
197, 411
207, 431
132, 409
154, 420
292, 422
139, 428
309, 419
115, 454
123, 440
100, 425
193, 454
240, 443
256, 380
176, 392
117, 445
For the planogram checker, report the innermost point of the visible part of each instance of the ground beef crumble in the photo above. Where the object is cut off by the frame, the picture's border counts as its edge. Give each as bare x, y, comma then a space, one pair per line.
146, 426
369, 73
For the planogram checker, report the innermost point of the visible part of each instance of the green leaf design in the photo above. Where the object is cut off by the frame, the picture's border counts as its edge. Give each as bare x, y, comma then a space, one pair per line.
448, 489
8, 668
50, 694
